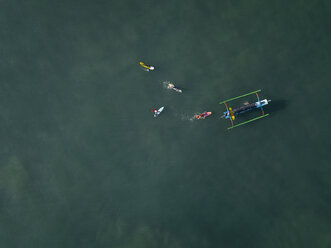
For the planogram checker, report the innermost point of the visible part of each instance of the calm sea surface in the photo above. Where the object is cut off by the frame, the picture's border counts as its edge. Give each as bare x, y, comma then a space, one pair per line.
83, 163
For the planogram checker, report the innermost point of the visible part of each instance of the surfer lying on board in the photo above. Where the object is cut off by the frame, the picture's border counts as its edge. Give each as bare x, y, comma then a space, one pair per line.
172, 86
203, 115
147, 67
157, 112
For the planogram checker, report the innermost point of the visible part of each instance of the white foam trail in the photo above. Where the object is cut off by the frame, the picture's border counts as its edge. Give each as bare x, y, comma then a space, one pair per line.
186, 117
166, 84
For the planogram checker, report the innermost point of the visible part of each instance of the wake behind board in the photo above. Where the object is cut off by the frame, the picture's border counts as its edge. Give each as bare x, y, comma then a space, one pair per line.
158, 112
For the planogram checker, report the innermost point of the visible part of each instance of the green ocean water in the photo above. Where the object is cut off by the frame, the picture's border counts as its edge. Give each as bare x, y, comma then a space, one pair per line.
83, 163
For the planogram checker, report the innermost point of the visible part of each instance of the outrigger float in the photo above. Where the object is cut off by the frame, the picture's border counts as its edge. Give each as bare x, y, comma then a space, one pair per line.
232, 113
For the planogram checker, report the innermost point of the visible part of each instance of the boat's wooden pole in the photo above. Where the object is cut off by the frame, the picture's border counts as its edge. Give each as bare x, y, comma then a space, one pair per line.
258, 98
229, 113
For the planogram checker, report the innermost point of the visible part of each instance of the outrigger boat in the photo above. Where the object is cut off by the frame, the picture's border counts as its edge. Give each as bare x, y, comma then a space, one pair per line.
232, 113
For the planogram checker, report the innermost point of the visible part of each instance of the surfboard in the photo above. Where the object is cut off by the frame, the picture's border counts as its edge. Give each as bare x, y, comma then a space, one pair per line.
199, 117
147, 67
177, 90
158, 112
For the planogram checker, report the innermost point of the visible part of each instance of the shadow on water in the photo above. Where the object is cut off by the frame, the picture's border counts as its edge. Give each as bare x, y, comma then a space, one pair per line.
276, 106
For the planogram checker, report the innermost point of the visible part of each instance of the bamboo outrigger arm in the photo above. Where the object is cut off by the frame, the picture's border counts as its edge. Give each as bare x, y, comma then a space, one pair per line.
241, 96
243, 123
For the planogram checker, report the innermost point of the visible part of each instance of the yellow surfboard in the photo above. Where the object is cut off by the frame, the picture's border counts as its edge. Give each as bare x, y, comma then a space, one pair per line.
148, 67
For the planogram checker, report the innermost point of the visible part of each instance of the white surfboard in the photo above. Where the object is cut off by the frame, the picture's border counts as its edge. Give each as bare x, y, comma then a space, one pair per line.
158, 112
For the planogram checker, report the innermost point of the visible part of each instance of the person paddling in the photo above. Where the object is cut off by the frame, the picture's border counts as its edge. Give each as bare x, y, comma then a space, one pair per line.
172, 86
147, 67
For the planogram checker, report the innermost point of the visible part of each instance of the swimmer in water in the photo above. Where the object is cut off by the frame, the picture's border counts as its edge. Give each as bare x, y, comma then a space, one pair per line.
172, 86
